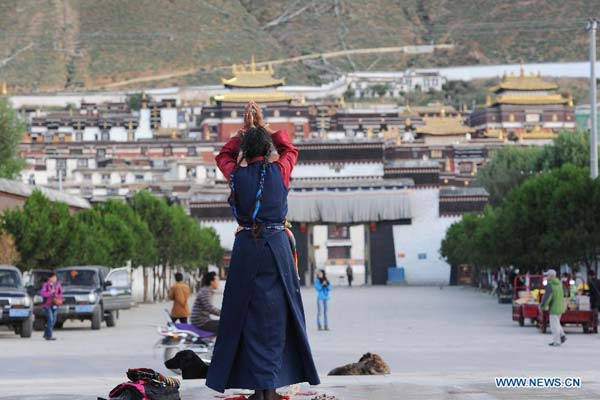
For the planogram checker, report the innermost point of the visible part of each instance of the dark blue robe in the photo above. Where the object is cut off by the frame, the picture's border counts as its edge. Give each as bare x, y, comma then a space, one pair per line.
262, 341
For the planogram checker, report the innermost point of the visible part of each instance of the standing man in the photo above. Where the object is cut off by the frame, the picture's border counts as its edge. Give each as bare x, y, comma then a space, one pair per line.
350, 275
180, 294
52, 294
554, 302
594, 290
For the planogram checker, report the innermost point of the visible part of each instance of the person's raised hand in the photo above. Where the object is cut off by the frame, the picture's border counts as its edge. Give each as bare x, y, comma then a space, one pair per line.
257, 114
248, 117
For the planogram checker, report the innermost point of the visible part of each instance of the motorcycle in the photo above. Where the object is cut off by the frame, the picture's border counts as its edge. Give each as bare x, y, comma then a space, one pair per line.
176, 337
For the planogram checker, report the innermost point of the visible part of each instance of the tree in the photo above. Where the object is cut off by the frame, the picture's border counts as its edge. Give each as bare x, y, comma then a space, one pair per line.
41, 231
568, 147
134, 100
507, 169
12, 129
140, 249
90, 242
381, 89
8, 250
155, 212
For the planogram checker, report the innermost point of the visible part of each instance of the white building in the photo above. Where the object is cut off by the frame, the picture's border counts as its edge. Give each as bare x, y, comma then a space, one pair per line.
393, 84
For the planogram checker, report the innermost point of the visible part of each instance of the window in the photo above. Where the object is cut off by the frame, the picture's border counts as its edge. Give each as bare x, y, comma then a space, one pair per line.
119, 279
82, 163
112, 191
139, 177
338, 252
191, 151
338, 232
106, 177
105, 136
87, 177
100, 153
144, 150
61, 164
422, 256
168, 151
436, 154
123, 179
76, 151
465, 168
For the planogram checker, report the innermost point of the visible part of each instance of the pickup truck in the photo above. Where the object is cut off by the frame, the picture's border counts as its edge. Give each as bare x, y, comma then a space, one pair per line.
93, 293
15, 303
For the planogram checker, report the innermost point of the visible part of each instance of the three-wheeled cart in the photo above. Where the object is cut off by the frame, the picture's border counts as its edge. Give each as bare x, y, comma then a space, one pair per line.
526, 298
587, 320
573, 315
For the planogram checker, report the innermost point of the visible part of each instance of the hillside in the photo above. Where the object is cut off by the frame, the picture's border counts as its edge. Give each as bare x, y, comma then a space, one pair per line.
58, 44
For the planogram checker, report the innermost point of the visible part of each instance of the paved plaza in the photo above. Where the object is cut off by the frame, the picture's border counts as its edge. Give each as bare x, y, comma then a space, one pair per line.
445, 343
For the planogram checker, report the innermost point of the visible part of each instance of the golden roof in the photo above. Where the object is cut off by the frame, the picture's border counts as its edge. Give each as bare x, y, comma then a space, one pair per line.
494, 133
252, 77
3, 89
554, 98
166, 133
444, 125
259, 97
434, 108
524, 82
536, 133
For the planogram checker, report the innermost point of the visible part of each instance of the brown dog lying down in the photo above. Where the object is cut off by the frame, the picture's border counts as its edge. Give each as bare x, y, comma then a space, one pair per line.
369, 364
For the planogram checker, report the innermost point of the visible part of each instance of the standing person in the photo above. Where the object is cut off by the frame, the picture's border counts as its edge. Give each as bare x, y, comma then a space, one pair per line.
203, 307
261, 343
180, 294
350, 275
52, 294
594, 290
323, 288
554, 302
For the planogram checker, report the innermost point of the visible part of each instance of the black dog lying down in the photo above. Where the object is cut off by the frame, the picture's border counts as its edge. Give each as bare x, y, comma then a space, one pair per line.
191, 366
369, 364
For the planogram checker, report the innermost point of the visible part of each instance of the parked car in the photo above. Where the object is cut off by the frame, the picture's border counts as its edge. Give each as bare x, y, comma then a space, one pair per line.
37, 278
15, 303
93, 293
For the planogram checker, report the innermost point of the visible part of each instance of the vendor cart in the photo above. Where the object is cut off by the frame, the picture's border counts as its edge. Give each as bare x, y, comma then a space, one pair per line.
587, 320
526, 298
578, 312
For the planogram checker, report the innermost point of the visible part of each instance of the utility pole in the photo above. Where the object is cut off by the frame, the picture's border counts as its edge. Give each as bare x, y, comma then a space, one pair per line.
592, 26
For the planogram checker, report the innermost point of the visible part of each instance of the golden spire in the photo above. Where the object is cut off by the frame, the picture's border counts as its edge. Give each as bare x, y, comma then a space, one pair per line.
342, 100
407, 106
144, 101
570, 100
443, 112
522, 68
253, 65
4, 89
369, 133
488, 100
303, 100
271, 68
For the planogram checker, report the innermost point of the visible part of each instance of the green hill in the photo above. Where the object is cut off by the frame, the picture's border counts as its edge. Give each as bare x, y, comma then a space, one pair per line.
58, 44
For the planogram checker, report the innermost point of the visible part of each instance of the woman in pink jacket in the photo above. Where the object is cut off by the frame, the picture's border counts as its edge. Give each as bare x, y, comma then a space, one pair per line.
52, 295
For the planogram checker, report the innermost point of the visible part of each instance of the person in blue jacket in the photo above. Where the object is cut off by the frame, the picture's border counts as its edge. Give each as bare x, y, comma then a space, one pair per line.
262, 343
323, 288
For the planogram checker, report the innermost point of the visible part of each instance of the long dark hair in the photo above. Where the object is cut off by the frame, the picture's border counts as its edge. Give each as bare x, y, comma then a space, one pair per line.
256, 142
323, 278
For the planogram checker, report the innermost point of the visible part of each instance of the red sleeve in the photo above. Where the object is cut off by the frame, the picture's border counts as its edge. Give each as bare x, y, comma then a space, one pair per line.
227, 157
288, 155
